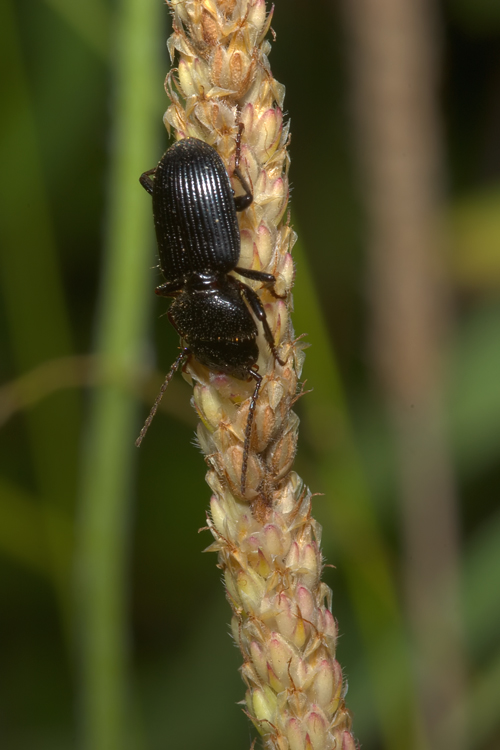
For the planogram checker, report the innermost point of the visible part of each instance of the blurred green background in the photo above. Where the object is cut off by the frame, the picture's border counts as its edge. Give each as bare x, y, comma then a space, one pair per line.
113, 625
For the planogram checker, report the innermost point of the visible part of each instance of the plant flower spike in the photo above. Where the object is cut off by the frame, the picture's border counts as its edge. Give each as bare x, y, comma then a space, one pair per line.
223, 93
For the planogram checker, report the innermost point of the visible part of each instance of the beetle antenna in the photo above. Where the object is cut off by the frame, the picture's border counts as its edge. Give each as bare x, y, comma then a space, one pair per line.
182, 357
248, 430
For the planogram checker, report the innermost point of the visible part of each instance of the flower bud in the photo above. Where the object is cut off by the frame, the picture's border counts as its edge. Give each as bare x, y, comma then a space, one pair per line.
282, 654
323, 684
263, 703
259, 659
317, 729
295, 734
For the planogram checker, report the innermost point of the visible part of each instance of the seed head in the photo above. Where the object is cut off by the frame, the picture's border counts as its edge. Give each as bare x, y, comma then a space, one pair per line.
268, 544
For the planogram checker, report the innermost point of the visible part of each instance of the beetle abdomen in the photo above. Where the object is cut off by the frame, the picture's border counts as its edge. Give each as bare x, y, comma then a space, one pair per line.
217, 326
194, 212
233, 358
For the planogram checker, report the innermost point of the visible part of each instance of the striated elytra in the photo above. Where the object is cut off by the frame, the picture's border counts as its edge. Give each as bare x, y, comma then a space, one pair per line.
198, 238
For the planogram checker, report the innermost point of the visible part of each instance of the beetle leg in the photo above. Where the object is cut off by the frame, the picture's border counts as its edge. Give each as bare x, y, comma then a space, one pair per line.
267, 279
248, 429
181, 358
242, 201
169, 288
146, 181
249, 273
260, 313
237, 152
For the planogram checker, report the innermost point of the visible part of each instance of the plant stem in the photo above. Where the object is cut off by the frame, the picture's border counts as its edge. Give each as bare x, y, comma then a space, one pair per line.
109, 451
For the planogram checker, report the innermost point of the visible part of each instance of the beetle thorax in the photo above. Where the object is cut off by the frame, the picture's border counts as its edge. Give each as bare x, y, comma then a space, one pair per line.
216, 324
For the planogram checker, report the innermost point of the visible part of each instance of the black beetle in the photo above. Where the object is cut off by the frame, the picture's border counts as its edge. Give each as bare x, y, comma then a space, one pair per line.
194, 211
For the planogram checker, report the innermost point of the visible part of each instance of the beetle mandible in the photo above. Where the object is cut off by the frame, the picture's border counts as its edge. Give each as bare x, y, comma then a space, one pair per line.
194, 210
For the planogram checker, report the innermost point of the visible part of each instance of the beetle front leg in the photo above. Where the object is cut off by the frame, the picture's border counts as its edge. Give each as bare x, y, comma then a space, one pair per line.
242, 201
146, 181
258, 310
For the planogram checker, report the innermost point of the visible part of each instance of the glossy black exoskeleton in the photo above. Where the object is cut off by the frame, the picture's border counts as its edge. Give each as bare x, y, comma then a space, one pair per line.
194, 211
